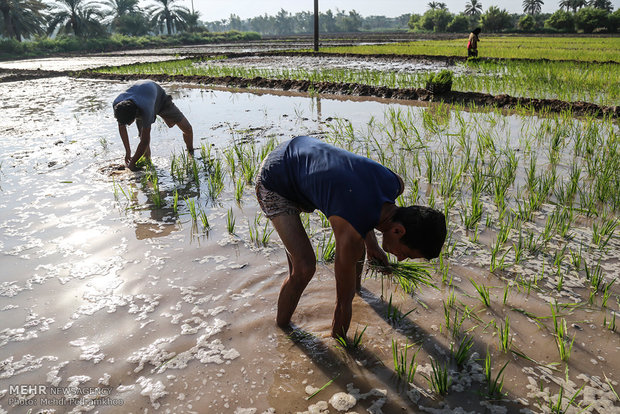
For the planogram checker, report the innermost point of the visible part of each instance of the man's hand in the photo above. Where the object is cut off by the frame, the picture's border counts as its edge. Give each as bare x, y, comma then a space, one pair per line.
127, 159
374, 253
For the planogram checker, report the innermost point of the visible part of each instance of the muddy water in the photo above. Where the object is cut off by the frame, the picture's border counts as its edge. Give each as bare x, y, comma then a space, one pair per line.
312, 63
78, 63
134, 305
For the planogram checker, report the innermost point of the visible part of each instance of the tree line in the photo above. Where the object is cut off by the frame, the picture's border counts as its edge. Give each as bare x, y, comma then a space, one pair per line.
27, 19
572, 16
23, 19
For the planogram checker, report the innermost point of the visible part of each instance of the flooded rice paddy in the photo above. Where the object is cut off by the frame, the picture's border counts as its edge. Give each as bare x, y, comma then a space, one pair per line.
135, 295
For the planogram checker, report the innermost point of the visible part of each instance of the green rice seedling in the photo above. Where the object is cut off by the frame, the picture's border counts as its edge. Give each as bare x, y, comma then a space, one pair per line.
560, 279
215, 184
483, 292
239, 187
461, 354
558, 408
453, 323
175, 201
494, 385
204, 219
408, 275
324, 221
260, 234
439, 379
394, 315
444, 267
195, 171
594, 275
327, 384
519, 248
230, 221
404, 366
607, 292
612, 323
503, 333
355, 343
576, 258
561, 333
205, 156
558, 256
328, 248
191, 206
156, 196
507, 289
601, 235
471, 214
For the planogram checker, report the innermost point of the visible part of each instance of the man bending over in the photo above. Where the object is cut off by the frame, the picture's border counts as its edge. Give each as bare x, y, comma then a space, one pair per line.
357, 195
142, 102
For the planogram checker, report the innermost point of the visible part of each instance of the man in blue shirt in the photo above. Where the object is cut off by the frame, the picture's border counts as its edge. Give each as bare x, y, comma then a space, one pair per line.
142, 102
357, 195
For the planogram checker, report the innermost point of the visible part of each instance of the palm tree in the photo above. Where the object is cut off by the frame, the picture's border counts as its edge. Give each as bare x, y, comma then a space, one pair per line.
79, 17
433, 5
473, 8
565, 4
601, 4
120, 8
193, 24
173, 16
577, 4
532, 7
22, 18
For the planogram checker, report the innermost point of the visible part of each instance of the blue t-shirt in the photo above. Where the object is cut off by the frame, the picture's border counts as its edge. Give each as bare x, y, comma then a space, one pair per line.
148, 96
317, 175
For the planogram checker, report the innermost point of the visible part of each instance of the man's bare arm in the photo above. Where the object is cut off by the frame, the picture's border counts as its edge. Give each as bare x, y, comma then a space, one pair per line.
145, 139
122, 130
349, 249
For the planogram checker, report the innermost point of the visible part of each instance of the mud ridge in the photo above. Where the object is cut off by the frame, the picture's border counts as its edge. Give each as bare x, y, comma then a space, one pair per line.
420, 94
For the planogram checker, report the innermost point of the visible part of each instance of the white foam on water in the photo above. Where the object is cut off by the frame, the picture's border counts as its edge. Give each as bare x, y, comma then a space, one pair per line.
10, 368
153, 354
89, 352
152, 389
52, 376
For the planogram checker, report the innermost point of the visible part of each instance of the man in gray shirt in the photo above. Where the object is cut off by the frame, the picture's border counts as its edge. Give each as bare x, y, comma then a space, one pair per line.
142, 102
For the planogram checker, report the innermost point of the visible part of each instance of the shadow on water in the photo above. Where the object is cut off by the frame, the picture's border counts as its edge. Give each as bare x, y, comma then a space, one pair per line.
469, 399
359, 367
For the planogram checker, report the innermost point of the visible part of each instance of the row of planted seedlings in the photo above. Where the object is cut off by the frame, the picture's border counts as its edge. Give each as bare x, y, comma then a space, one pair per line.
569, 81
195, 188
532, 208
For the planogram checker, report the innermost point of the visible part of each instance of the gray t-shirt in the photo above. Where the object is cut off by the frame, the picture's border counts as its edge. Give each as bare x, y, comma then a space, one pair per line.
148, 96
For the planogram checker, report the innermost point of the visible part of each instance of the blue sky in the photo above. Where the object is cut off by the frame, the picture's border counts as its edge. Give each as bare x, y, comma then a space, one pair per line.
221, 9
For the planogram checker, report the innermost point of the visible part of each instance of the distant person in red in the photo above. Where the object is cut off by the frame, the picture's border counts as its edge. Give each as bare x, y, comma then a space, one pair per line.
142, 102
357, 196
472, 43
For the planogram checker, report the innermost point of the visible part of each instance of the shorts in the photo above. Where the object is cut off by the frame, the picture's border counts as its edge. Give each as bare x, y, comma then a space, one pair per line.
272, 203
170, 113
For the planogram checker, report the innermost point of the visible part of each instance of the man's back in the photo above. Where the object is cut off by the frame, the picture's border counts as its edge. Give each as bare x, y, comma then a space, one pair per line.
317, 175
148, 96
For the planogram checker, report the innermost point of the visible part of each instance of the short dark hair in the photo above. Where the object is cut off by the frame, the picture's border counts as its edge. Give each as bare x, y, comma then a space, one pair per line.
425, 229
476, 31
125, 112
